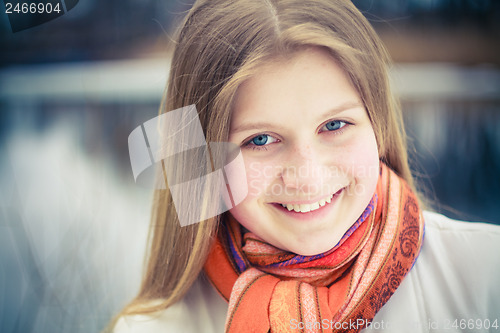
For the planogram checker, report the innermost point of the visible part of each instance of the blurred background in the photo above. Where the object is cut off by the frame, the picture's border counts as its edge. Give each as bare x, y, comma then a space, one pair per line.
73, 223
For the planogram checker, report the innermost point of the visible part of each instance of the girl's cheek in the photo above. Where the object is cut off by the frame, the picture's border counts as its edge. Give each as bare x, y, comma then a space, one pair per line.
367, 162
359, 161
366, 166
259, 176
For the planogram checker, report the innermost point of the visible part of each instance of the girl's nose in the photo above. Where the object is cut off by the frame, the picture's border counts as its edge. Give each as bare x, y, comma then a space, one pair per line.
304, 170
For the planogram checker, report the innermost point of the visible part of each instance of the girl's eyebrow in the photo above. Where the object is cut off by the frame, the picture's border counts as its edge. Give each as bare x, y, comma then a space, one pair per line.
331, 112
342, 107
254, 126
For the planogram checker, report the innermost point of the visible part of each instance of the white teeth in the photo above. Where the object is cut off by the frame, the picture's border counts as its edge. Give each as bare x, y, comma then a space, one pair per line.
305, 208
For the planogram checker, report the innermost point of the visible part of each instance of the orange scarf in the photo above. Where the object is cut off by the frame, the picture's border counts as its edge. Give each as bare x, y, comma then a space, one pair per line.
269, 289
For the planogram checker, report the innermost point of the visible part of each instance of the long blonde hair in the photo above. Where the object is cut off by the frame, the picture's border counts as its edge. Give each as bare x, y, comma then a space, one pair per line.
219, 45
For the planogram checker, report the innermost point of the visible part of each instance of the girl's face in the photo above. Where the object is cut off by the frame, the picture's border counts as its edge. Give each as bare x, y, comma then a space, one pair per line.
310, 153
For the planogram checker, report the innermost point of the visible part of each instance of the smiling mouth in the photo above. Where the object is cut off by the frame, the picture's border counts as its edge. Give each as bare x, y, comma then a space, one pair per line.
306, 208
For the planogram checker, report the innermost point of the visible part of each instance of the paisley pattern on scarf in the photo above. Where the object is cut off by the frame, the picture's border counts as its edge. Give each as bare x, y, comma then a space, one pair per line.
341, 290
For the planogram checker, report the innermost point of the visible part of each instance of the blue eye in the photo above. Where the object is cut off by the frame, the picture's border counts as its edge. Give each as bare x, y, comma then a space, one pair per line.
260, 140
334, 125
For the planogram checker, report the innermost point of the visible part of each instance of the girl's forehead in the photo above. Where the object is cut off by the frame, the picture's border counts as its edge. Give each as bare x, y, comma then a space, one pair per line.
306, 88
285, 79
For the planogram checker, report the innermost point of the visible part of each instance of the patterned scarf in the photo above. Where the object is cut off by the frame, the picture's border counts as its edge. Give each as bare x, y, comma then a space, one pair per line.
341, 290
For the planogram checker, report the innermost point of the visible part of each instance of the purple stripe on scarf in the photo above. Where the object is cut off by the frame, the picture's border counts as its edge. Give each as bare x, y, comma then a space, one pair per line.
238, 259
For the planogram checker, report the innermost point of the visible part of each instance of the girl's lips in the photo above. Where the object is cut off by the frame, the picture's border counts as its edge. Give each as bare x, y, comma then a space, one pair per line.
316, 213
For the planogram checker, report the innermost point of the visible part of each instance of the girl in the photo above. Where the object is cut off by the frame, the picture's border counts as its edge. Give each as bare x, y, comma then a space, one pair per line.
330, 236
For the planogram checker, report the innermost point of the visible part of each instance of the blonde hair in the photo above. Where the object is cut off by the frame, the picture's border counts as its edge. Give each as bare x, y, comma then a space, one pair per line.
219, 45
